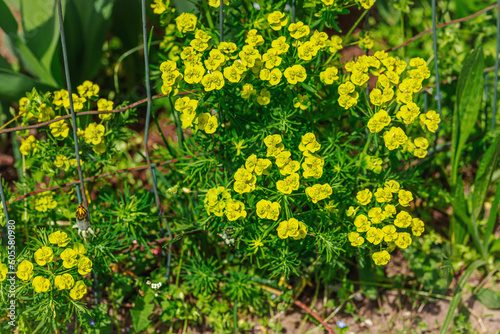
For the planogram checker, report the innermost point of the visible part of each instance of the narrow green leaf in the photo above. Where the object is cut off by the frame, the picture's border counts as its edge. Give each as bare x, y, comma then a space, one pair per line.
458, 294
483, 177
13, 85
457, 226
490, 224
488, 298
469, 95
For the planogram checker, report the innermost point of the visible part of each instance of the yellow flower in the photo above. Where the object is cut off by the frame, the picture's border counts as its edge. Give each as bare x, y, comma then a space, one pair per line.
59, 238
390, 233
253, 38
334, 44
44, 255
381, 258
392, 185
294, 74
69, 258
367, 41
403, 219
59, 128
417, 227
62, 162
78, 291
291, 228
376, 215
277, 20
298, 30
88, 89
235, 210
405, 197
64, 281
383, 195
430, 119
313, 166
329, 75
275, 76
362, 223
389, 210
364, 196
94, 133
41, 284
215, 200
351, 211
374, 235
211, 81
194, 73
394, 138
328, 3
403, 240
308, 144
307, 50
244, 181
379, 121
211, 125
25, 270
319, 192
301, 101
356, 239
3, 272
79, 248
289, 184
280, 45
28, 146
268, 210
104, 105
264, 97
421, 145
262, 166
186, 22
158, 7
84, 265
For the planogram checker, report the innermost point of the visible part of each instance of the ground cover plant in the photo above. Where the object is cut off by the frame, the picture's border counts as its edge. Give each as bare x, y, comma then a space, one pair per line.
296, 156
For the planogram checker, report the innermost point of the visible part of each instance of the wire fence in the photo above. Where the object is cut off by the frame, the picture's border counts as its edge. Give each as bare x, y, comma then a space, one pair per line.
152, 167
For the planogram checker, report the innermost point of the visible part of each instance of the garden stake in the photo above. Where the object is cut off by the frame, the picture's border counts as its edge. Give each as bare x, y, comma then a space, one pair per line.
495, 83
80, 191
146, 135
436, 67
6, 213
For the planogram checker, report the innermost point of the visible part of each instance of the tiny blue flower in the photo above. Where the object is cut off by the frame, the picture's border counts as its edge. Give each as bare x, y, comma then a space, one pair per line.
341, 324
287, 7
273, 296
92, 323
256, 6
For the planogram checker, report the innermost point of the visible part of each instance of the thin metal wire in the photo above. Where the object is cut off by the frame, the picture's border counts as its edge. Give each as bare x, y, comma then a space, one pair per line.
293, 10
367, 29
146, 135
73, 117
495, 83
425, 101
436, 67
80, 190
5, 212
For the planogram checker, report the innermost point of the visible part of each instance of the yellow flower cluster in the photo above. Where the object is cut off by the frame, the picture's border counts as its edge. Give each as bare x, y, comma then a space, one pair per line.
3, 272
72, 257
268, 210
93, 135
45, 202
292, 228
170, 76
318, 192
28, 146
218, 201
396, 225
186, 22
187, 108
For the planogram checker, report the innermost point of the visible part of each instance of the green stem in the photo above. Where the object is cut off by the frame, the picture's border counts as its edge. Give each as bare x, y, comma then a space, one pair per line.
209, 16
235, 316
354, 26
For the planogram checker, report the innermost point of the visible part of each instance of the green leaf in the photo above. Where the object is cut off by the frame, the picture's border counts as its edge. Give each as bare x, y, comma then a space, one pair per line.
488, 298
41, 30
366, 274
483, 177
490, 224
8, 22
458, 294
458, 226
469, 95
13, 85
142, 310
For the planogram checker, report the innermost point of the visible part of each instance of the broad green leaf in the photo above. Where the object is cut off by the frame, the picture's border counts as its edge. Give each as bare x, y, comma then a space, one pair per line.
458, 294
482, 182
366, 274
8, 22
142, 310
4, 64
86, 26
469, 95
41, 30
488, 298
13, 85
458, 226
